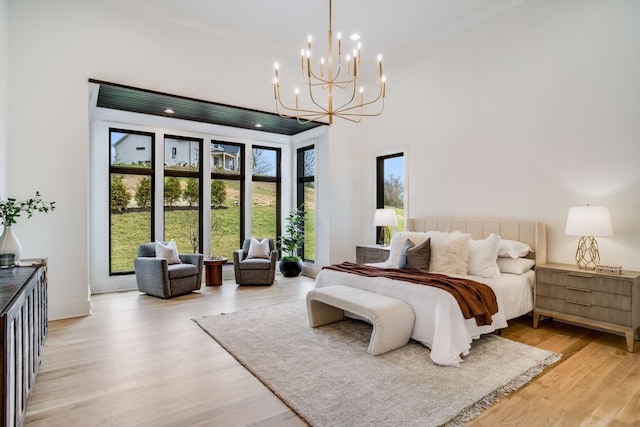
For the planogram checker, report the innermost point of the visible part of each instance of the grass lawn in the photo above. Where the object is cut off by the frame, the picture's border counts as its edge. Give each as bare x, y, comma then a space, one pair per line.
131, 228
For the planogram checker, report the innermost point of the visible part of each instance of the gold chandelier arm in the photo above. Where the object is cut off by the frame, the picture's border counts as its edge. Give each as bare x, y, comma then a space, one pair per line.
345, 115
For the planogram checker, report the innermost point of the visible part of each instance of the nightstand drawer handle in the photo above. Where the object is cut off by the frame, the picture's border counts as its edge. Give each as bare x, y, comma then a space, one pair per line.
583, 275
578, 303
579, 290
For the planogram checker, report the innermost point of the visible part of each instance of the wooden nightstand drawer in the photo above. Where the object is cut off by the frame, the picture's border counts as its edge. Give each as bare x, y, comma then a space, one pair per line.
585, 310
585, 281
584, 296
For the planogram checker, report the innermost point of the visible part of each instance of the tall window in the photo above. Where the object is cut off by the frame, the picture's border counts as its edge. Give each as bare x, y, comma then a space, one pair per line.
265, 196
306, 197
390, 186
182, 192
131, 196
227, 196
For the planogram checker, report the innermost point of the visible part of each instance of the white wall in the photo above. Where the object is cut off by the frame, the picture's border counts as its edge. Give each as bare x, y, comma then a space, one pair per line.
523, 115
4, 102
68, 42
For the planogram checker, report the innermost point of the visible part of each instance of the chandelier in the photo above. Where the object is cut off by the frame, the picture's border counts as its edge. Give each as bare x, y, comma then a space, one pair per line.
348, 103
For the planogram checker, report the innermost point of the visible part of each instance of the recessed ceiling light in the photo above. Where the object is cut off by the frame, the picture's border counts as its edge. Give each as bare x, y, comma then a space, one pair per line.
355, 36
258, 125
169, 111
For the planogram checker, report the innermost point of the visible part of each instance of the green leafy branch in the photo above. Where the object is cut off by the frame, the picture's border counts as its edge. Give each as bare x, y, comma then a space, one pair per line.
11, 209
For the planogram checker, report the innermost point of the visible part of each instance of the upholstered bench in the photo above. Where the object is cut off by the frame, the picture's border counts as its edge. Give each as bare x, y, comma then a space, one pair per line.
392, 319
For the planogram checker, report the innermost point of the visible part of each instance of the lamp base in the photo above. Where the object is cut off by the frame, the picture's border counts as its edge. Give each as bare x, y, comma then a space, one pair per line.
385, 236
587, 255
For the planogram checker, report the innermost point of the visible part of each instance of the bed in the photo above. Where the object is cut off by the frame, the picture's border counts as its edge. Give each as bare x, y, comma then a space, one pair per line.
440, 324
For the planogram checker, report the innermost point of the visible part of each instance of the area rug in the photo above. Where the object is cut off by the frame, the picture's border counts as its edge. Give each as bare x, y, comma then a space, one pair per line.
327, 377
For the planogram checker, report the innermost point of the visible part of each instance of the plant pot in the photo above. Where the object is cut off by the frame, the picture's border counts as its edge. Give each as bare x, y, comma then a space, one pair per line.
290, 268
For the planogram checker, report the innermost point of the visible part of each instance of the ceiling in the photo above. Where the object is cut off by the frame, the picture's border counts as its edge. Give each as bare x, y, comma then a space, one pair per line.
384, 26
287, 24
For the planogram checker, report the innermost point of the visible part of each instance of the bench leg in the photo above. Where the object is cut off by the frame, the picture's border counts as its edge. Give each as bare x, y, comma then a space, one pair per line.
393, 333
322, 314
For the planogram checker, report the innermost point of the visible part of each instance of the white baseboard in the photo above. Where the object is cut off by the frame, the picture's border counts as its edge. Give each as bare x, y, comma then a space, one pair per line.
69, 310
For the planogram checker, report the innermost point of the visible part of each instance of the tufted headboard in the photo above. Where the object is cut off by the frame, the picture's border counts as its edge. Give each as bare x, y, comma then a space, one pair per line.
532, 233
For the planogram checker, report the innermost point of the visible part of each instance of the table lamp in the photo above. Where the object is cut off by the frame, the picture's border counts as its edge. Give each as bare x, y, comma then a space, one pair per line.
588, 222
385, 218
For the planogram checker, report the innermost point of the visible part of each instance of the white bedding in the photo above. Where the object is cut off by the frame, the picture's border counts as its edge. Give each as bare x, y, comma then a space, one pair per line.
440, 324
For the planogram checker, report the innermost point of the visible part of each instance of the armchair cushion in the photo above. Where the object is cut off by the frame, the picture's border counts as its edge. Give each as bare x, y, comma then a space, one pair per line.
255, 264
176, 271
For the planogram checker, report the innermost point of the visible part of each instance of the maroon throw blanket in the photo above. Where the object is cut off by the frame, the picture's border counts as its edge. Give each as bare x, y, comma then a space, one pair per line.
476, 299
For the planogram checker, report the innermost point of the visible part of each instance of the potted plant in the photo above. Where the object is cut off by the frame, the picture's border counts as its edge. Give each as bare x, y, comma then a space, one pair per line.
292, 240
10, 210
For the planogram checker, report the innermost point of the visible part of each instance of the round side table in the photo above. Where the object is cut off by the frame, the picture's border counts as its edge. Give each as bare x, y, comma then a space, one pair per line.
213, 270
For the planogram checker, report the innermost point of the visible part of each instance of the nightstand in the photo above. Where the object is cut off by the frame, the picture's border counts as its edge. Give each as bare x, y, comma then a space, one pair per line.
371, 253
602, 300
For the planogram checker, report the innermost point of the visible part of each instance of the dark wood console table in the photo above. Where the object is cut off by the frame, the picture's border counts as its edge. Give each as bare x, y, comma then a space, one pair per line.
23, 329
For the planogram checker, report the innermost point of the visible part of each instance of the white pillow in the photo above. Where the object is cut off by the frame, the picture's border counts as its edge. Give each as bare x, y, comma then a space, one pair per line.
513, 249
515, 265
168, 251
449, 252
258, 249
483, 255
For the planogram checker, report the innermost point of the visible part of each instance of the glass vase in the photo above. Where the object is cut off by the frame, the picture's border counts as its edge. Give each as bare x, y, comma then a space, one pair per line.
9, 243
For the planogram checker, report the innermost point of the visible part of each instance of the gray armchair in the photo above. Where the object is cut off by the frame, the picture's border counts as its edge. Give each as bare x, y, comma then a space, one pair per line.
156, 277
255, 271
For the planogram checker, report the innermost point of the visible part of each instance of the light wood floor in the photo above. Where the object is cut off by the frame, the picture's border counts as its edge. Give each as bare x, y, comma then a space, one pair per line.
140, 360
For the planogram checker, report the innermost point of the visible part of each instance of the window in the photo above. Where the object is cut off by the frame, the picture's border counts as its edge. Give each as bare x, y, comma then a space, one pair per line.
227, 194
306, 196
390, 187
265, 192
182, 193
131, 196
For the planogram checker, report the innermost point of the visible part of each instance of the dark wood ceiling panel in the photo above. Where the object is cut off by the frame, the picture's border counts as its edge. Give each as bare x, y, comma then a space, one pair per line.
119, 97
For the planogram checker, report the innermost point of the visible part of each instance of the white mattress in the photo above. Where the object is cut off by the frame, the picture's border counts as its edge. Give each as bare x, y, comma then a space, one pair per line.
440, 324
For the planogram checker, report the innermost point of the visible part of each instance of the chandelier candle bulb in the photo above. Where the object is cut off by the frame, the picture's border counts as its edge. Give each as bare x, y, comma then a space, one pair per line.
347, 106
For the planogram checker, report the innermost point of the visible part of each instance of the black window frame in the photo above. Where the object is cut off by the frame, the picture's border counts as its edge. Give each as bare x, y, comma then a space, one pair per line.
242, 177
186, 174
128, 170
380, 185
301, 180
277, 179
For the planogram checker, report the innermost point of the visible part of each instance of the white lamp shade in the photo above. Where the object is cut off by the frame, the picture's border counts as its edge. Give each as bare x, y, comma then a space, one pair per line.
385, 218
588, 221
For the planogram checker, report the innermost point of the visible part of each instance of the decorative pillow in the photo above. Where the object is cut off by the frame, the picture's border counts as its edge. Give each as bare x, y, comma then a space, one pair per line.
259, 249
397, 243
415, 257
483, 255
168, 251
449, 252
515, 265
513, 249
